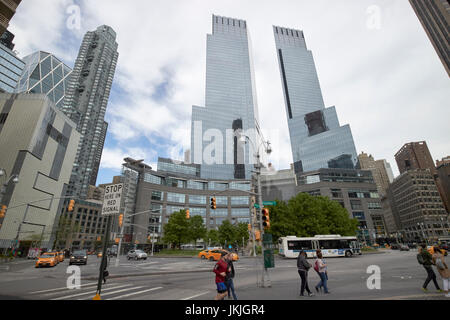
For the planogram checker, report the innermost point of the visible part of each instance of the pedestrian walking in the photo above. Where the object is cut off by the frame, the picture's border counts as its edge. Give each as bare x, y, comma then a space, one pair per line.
303, 267
229, 277
220, 269
442, 268
425, 258
105, 272
322, 269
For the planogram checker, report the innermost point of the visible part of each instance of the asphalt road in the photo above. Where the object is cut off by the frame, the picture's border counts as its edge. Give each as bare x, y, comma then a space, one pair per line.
193, 279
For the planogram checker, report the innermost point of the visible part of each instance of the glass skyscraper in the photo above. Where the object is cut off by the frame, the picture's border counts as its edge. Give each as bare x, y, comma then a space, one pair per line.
230, 105
44, 73
86, 101
317, 138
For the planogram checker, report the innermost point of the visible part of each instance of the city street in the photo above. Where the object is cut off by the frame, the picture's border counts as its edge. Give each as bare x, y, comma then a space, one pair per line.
192, 279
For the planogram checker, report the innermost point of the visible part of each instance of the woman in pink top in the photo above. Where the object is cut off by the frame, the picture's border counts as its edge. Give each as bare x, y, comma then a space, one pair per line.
322, 270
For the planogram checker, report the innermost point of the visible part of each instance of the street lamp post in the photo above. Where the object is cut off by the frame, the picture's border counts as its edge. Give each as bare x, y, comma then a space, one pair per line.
14, 179
265, 281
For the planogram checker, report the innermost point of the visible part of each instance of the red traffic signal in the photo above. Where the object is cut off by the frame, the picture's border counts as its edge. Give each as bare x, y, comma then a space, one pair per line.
265, 218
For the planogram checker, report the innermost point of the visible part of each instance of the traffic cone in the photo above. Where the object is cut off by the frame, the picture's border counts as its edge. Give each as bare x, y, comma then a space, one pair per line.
97, 297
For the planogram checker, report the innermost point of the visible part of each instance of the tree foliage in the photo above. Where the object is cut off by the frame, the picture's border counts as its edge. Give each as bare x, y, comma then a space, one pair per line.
177, 230
306, 216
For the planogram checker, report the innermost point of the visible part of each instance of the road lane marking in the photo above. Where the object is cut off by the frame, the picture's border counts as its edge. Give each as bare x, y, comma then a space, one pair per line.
90, 292
135, 293
197, 295
49, 290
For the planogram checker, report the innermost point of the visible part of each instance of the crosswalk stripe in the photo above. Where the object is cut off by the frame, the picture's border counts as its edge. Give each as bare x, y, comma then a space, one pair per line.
135, 293
197, 295
65, 288
90, 292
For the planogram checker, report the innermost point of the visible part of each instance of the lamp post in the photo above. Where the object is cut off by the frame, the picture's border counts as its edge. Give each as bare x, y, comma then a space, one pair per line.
265, 281
14, 179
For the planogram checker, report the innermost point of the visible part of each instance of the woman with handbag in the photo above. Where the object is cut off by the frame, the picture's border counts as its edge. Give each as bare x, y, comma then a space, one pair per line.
441, 266
303, 267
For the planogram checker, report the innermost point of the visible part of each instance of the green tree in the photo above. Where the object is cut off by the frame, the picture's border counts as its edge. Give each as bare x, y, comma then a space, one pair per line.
197, 228
306, 216
227, 232
213, 236
177, 230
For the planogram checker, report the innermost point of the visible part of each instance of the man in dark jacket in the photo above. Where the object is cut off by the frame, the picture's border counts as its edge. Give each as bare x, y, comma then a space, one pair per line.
303, 266
426, 259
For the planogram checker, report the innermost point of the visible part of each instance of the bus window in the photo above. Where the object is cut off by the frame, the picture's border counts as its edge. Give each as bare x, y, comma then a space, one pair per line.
329, 244
299, 245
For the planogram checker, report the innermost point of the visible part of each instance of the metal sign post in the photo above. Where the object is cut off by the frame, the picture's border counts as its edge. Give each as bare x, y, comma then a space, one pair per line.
111, 207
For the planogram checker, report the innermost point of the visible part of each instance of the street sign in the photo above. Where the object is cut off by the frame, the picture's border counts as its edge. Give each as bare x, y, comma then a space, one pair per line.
269, 203
256, 206
111, 201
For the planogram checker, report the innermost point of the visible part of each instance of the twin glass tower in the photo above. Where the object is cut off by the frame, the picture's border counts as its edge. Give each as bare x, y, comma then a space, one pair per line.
231, 111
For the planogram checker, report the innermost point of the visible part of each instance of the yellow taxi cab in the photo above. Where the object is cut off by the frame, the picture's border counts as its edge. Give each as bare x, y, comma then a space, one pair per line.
203, 254
431, 250
55, 254
47, 260
214, 255
60, 256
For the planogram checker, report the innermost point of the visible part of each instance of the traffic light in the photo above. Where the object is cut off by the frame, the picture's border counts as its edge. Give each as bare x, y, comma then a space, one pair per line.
187, 214
117, 240
120, 220
258, 235
71, 205
249, 227
3, 211
149, 238
213, 203
266, 218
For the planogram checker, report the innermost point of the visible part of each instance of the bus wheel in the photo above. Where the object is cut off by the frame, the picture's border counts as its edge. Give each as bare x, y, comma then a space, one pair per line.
348, 253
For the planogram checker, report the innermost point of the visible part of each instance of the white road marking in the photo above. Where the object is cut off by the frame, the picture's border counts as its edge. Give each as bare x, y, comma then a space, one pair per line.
135, 293
90, 292
197, 295
65, 288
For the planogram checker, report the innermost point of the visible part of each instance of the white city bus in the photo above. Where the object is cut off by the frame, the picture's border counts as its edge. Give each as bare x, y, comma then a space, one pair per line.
330, 245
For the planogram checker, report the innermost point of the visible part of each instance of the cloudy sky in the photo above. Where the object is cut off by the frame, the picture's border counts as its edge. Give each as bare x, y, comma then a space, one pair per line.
374, 61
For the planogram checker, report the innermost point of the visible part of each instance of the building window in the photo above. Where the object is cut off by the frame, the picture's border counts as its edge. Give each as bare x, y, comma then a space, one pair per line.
176, 197
197, 199
239, 201
157, 195
219, 213
239, 212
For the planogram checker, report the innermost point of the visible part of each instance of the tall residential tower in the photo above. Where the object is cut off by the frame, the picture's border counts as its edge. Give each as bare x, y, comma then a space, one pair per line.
230, 106
86, 101
317, 139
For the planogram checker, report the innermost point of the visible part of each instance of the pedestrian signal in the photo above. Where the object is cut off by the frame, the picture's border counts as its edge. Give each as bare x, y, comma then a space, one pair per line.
3, 211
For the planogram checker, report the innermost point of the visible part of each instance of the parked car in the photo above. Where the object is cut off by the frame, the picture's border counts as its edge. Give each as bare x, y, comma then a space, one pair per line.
395, 246
136, 255
60, 256
404, 247
47, 260
79, 257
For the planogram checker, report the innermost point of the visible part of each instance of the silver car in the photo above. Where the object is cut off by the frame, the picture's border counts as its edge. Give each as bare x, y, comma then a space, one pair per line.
136, 255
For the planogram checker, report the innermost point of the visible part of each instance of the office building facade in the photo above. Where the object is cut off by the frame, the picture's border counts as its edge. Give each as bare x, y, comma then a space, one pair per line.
86, 101
231, 109
317, 138
41, 143
443, 180
417, 206
381, 171
45, 73
7, 10
435, 18
10, 69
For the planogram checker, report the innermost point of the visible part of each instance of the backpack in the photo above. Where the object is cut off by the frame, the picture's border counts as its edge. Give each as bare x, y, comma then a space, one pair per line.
440, 264
316, 265
420, 259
